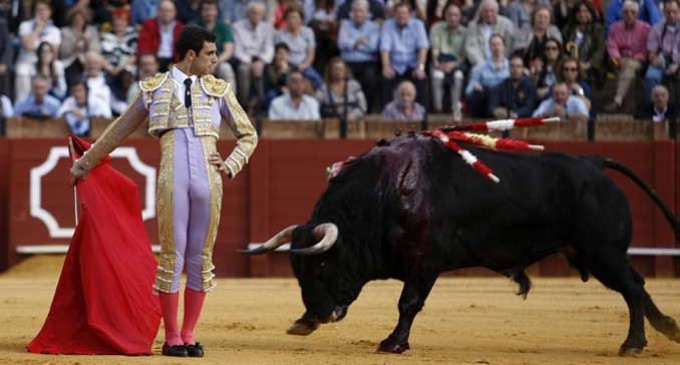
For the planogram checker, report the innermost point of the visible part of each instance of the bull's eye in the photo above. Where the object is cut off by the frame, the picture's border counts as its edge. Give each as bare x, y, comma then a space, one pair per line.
319, 270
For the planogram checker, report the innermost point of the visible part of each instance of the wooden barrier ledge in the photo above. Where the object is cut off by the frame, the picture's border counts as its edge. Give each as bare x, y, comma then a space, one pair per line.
374, 127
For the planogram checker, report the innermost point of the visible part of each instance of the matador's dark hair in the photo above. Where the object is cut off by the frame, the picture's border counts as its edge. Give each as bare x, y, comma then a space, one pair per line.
193, 37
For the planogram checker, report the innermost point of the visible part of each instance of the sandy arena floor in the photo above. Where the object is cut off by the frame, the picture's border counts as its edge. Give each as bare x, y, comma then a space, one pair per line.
465, 321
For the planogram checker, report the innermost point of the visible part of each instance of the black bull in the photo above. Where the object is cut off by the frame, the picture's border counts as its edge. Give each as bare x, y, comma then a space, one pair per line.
410, 209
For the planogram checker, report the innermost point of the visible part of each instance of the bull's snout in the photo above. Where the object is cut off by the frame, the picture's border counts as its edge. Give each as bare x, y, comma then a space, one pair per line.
338, 313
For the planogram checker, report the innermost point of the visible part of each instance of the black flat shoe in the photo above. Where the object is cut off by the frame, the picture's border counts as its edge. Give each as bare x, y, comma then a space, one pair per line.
195, 350
176, 350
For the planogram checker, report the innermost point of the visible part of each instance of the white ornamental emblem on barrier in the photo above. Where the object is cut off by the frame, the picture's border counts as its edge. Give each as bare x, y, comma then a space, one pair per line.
56, 153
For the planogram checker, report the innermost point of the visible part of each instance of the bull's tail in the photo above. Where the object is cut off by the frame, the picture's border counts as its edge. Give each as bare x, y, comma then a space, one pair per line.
611, 164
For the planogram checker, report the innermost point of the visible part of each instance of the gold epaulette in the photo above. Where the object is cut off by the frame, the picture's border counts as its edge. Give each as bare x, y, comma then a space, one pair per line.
153, 82
214, 86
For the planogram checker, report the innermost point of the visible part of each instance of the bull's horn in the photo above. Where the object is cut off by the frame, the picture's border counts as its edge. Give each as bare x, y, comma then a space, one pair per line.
329, 233
273, 243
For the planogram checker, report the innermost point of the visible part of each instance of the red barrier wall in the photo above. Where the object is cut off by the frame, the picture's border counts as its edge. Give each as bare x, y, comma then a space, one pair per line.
281, 185
655, 163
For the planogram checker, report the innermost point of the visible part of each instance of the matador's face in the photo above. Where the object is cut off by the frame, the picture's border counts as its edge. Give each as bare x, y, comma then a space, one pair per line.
205, 61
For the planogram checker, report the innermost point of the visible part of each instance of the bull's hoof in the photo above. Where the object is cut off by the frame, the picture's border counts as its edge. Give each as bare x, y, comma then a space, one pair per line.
302, 328
669, 327
632, 347
391, 346
630, 351
674, 335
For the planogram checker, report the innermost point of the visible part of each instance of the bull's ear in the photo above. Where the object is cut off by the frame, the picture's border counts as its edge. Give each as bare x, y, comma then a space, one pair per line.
326, 233
272, 244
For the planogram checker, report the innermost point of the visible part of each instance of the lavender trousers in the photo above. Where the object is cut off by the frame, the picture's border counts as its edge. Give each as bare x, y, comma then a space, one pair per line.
189, 189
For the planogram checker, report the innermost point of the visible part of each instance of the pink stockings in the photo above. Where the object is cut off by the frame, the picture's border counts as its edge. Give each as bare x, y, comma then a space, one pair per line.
193, 303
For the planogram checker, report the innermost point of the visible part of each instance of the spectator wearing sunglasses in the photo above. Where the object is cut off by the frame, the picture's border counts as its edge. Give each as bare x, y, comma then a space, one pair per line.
569, 71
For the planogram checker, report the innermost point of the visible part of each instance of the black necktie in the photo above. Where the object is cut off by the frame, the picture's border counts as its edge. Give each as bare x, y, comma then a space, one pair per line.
187, 93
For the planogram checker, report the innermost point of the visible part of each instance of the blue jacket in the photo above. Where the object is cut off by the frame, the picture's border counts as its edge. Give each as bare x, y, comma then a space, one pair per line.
649, 12
520, 99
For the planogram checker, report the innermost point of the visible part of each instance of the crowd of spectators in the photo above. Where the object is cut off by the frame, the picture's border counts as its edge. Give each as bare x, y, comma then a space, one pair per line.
311, 59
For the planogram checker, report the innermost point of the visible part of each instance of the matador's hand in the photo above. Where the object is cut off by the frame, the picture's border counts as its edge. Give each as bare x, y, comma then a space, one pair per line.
216, 160
77, 173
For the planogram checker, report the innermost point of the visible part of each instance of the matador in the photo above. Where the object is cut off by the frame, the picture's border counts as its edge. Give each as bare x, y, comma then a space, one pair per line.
185, 107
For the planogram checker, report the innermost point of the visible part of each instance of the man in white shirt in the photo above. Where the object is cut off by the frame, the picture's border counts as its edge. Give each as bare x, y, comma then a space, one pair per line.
563, 105
294, 105
96, 82
254, 48
78, 108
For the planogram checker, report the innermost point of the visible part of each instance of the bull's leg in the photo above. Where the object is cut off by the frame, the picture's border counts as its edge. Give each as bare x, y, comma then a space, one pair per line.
412, 299
521, 278
617, 274
661, 322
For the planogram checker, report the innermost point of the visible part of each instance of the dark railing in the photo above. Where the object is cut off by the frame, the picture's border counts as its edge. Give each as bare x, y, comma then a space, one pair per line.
590, 133
673, 129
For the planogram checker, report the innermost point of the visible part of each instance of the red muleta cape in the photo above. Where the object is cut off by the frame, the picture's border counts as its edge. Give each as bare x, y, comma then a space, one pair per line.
104, 302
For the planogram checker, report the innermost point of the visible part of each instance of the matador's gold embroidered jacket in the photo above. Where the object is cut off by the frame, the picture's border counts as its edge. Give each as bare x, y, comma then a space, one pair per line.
213, 100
